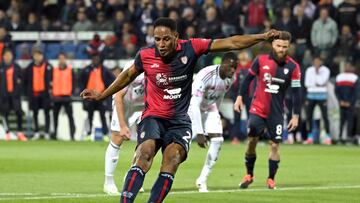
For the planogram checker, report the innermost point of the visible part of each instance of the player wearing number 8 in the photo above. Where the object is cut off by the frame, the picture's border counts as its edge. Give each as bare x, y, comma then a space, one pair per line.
275, 72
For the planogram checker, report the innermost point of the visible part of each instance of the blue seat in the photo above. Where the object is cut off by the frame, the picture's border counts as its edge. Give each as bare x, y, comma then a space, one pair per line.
52, 50
69, 48
81, 51
22, 51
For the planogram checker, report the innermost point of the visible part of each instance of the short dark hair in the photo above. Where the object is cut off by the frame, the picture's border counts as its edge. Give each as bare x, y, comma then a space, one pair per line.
285, 35
228, 56
166, 22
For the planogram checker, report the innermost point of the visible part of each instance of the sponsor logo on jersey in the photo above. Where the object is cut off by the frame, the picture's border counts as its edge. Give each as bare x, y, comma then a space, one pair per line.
142, 135
178, 78
161, 79
286, 71
266, 67
155, 65
184, 59
172, 93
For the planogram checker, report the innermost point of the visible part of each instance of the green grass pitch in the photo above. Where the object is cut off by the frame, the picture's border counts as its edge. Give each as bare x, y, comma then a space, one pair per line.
73, 172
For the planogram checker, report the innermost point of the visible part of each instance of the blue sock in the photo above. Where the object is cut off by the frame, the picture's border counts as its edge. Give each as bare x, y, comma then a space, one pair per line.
161, 187
250, 163
273, 167
133, 182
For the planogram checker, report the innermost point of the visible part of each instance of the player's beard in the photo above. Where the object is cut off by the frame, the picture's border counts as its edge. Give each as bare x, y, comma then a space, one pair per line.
280, 56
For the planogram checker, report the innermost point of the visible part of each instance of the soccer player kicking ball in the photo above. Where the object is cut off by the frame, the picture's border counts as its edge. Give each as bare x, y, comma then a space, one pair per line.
275, 72
125, 103
208, 91
168, 68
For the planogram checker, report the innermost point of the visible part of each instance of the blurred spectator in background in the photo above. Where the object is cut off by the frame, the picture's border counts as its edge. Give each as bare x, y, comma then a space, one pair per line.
128, 36
62, 90
5, 42
46, 24
82, 23
309, 8
97, 6
33, 23
160, 9
255, 13
301, 33
119, 21
112, 49
95, 46
347, 84
316, 80
324, 34
149, 38
328, 5
190, 32
285, 22
10, 88
347, 15
37, 81
188, 18
211, 27
68, 14
346, 44
96, 76
15, 23
3, 20
101, 23
196, 7
230, 16
241, 71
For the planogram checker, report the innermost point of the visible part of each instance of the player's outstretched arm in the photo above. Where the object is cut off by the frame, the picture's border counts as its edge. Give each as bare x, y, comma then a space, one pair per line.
120, 106
242, 41
124, 78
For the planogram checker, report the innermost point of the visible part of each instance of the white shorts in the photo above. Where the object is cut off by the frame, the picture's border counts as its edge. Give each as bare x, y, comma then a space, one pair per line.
211, 121
133, 120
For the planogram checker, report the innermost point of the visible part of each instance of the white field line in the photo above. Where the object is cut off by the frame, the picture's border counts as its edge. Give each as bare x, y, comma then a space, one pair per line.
38, 196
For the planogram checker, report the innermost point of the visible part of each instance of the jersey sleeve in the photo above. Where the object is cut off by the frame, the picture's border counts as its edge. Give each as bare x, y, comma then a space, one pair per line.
199, 85
254, 69
138, 62
295, 76
201, 45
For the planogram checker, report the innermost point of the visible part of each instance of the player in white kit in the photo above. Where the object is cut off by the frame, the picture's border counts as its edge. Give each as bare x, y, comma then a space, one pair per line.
208, 91
127, 103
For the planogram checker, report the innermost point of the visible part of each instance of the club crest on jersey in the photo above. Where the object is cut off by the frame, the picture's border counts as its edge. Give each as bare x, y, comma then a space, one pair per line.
184, 59
161, 79
286, 71
142, 135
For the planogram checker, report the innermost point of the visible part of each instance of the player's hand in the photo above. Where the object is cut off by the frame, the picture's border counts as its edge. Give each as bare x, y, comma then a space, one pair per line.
201, 140
272, 34
125, 133
293, 123
90, 94
238, 105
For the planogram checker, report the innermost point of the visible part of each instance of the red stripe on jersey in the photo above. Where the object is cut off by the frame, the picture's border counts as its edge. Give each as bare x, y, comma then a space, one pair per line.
345, 83
262, 100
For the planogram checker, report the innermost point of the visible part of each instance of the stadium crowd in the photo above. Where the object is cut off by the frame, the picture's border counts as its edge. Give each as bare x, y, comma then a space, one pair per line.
325, 42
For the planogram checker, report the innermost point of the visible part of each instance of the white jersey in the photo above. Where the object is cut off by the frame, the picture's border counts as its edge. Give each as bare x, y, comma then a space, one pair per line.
208, 91
210, 87
133, 101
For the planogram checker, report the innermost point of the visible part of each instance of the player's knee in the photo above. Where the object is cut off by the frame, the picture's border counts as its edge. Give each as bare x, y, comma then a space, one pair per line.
172, 159
274, 147
116, 138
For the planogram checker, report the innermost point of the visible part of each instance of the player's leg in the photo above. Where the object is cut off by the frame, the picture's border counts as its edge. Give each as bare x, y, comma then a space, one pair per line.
145, 153
148, 140
16, 103
213, 127
35, 108
323, 108
176, 142
173, 155
56, 110
90, 107
256, 127
310, 105
112, 155
69, 112
275, 130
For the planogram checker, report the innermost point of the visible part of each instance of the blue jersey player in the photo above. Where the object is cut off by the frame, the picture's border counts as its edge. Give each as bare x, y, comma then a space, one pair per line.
168, 66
